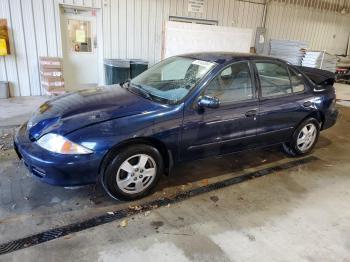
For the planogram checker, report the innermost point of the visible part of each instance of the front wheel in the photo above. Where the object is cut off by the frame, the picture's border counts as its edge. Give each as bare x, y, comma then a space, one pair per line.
133, 172
304, 138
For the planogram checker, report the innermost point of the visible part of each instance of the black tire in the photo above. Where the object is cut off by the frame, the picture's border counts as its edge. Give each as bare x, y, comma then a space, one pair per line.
291, 148
113, 170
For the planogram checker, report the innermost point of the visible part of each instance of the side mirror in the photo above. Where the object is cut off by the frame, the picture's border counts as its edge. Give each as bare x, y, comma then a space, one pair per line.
209, 102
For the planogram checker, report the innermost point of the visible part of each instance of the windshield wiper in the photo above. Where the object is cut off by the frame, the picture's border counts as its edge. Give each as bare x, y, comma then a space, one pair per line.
142, 91
145, 93
125, 84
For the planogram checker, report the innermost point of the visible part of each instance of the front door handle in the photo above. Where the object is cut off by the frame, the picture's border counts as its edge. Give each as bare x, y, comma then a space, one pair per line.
307, 104
251, 113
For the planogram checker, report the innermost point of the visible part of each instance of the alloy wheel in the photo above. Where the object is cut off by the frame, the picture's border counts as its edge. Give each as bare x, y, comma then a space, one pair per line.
136, 173
306, 137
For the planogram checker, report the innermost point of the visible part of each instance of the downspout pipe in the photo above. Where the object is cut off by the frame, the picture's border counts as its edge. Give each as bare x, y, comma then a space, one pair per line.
263, 22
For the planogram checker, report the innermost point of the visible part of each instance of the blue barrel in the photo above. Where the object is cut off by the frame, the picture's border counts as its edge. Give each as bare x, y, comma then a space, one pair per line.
137, 66
116, 71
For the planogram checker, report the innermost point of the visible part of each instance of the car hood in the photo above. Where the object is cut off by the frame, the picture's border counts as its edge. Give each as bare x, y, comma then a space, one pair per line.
73, 111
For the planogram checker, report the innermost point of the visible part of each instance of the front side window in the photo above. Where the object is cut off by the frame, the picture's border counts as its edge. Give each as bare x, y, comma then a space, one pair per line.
172, 79
232, 84
274, 79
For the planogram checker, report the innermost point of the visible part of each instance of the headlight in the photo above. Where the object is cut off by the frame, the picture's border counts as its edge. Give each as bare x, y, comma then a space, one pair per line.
58, 144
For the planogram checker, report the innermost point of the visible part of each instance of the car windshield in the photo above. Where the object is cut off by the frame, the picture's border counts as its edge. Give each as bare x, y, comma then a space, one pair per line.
172, 79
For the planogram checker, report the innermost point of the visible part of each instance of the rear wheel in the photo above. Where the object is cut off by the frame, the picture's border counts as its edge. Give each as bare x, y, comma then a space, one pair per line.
133, 172
304, 138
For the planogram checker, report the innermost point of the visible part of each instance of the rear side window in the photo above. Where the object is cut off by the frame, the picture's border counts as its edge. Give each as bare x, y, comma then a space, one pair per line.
274, 79
297, 81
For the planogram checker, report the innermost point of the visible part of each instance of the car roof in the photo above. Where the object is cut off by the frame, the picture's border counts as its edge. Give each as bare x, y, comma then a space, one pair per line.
226, 57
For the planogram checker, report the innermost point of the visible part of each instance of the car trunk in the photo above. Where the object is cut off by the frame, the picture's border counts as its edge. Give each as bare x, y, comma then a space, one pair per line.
318, 76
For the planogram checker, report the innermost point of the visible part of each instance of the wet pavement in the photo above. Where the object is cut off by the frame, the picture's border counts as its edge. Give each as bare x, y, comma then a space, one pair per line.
220, 224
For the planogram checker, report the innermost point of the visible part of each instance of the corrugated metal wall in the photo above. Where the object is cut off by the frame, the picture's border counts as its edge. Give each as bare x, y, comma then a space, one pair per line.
142, 36
34, 31
133, 29
322, 29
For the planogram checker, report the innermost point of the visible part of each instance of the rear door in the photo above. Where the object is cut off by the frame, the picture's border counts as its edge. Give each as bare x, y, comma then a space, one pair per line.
283, 101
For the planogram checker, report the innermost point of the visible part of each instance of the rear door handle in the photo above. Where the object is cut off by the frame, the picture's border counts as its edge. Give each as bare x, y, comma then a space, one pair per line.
307, 104
251, 113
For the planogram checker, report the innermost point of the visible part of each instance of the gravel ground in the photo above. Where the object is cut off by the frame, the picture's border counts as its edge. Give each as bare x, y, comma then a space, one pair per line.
6, 141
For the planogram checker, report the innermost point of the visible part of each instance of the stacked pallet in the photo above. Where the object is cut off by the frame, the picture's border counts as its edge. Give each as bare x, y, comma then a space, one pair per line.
343, 62
51, 72
291, 51
320, 60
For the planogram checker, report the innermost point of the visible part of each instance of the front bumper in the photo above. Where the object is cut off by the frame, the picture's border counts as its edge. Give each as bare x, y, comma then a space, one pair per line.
53, 168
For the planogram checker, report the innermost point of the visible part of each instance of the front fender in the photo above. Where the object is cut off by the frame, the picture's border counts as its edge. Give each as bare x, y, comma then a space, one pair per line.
164, 126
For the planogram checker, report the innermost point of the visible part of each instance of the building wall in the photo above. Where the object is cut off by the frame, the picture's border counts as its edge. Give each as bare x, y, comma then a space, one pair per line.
133, 29
34, 31
323, 30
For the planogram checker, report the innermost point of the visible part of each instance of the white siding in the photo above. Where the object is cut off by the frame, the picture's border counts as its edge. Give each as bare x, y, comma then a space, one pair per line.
19, 47
322, 29
134, 28
31, 47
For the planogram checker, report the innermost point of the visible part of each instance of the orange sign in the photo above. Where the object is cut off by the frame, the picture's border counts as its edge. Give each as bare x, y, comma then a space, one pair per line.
3, 47
4, 38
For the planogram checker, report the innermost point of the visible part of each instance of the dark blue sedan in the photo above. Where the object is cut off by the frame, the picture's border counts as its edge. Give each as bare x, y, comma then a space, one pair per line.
183, 108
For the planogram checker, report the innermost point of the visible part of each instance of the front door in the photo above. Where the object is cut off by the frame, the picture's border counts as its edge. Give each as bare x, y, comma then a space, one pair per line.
229, 128
80, 54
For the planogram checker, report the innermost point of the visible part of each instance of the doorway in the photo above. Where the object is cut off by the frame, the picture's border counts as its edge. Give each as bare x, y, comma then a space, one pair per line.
80, 48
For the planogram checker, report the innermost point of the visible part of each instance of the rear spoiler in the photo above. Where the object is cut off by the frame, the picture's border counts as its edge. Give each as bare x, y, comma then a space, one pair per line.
318, 76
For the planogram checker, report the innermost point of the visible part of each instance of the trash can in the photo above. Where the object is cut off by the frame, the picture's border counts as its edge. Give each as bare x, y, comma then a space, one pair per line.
4, 89
116, 71
137, 66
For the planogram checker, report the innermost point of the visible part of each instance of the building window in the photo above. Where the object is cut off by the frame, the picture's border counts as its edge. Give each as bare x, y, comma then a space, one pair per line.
79, 34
